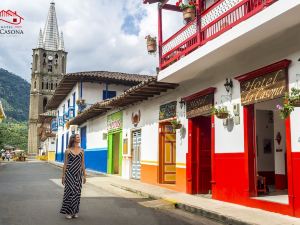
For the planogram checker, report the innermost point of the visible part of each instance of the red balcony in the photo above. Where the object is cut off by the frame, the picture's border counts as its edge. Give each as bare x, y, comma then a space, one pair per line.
212, 19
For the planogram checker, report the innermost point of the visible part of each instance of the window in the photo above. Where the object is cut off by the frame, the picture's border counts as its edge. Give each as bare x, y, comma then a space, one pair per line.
42, 85
44, 104
56, 56
51, 86
34, 85
49, 68
109, 94
47, 85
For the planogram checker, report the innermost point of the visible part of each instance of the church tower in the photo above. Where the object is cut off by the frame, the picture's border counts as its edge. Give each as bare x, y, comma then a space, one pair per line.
48, 68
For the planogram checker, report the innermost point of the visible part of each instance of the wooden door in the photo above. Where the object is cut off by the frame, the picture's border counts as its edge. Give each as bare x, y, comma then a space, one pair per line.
116, 153
204, 155
168, 154
250, 147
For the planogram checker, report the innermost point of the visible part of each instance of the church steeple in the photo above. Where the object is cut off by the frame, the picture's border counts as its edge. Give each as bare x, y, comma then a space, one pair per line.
40, 41
48, 68
61, 45
51, 34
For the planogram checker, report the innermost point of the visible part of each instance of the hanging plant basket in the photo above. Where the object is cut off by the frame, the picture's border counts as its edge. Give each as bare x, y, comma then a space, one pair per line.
222, 115
176, 124
290, 101
151, 44
189, 14
221, 112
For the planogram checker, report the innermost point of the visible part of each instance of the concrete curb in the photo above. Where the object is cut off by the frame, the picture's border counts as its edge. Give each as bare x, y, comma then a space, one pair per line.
188, 208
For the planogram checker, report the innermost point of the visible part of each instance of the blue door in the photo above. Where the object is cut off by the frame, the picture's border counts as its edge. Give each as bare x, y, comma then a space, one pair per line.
56, 149
62, 148
83, 137
67, 139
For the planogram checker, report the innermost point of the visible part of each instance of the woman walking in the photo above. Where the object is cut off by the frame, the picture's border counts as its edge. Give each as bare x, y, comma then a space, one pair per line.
72, 178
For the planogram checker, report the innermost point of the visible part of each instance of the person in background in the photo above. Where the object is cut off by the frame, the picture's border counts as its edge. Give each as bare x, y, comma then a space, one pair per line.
72, 178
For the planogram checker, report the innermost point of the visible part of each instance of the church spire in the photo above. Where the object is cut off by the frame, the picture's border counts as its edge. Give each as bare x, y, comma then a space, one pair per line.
40, 41
61, 45
51, 34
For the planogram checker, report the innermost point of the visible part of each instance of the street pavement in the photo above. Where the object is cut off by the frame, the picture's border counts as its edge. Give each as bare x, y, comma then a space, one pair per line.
31, 194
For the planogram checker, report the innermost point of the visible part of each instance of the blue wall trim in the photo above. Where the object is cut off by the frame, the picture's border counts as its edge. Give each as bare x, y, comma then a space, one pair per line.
96, 159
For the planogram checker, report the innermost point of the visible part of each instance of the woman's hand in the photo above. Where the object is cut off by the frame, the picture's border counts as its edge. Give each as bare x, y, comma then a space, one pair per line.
63, 180
84, 179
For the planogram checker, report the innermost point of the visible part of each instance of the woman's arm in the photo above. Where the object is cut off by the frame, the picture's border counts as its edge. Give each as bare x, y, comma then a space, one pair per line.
83, 167
65, 166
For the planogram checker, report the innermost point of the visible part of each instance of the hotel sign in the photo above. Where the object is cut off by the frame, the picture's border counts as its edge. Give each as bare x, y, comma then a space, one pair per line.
262, 88
199, 106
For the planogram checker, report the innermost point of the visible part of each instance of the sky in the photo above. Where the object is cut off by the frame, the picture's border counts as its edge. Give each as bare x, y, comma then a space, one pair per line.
98, 35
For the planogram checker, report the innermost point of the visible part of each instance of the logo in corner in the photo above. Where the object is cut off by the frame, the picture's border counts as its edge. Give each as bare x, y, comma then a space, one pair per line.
10, 17
10, 23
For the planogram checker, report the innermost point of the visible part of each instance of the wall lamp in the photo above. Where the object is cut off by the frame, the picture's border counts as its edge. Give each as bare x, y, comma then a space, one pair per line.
181, 103
228, 85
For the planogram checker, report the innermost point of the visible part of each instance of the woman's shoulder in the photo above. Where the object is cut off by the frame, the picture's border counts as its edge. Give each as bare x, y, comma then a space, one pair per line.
81, 150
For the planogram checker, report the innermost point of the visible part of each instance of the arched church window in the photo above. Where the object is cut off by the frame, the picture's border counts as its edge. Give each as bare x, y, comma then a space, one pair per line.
56, 56
55, 85
42, 85
44, 55
47, 86
51, 86
34, 85
44, 104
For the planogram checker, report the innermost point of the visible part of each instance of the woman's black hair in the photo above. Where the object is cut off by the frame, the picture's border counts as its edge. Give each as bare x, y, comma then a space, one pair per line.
72, 141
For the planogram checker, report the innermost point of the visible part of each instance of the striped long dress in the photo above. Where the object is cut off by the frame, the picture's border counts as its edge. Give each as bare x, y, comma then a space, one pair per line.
73, 184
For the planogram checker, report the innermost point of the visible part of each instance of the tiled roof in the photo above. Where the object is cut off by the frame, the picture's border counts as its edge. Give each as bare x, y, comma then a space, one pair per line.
69, 81
140, 92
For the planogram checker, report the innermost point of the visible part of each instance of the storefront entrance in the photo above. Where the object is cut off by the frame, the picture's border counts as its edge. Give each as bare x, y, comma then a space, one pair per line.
115, 141
136, 155
201, 145
201, 155
167, 146
268, 161
265, 132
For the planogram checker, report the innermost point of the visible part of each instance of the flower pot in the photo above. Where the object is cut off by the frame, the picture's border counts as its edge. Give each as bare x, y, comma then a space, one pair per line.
222, 115
177, 126
151, 46
189, 14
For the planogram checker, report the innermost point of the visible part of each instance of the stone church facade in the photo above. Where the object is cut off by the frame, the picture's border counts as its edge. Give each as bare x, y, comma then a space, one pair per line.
48, 68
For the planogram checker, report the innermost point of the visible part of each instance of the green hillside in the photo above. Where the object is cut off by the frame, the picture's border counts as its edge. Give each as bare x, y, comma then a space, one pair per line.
14, 94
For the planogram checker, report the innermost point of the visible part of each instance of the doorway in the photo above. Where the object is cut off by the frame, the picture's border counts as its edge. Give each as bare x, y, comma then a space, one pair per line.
201, 155
267, 155
136, 155
115, 152
167, 148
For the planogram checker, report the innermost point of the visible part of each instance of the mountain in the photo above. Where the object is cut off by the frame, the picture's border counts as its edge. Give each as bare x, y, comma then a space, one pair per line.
14, 95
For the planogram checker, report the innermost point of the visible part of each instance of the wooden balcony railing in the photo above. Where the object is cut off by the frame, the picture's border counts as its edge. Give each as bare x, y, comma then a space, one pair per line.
210, 24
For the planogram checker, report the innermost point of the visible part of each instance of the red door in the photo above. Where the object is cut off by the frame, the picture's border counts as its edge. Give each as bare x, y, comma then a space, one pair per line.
204, 182
200, 155
250, 147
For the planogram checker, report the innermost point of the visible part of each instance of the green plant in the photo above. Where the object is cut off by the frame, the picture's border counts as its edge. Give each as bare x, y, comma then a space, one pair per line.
189, 4
176, 124
220, 112
289, 102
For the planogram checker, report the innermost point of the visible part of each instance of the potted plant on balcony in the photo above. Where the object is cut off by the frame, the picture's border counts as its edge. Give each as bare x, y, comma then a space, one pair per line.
176, 124
151, 44
188, 9
290, 101
221, 112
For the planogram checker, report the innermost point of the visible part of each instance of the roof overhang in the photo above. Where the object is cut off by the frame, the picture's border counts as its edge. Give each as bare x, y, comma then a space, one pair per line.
70, 80
140, 92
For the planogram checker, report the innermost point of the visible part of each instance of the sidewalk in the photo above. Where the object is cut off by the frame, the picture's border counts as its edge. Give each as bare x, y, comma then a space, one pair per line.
221, 211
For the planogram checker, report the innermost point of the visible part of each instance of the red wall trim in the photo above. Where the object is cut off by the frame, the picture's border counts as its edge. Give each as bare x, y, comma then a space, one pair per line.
199, 94
265, 70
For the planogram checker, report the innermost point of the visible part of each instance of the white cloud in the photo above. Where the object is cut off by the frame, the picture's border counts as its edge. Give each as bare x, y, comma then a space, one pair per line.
93, 34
